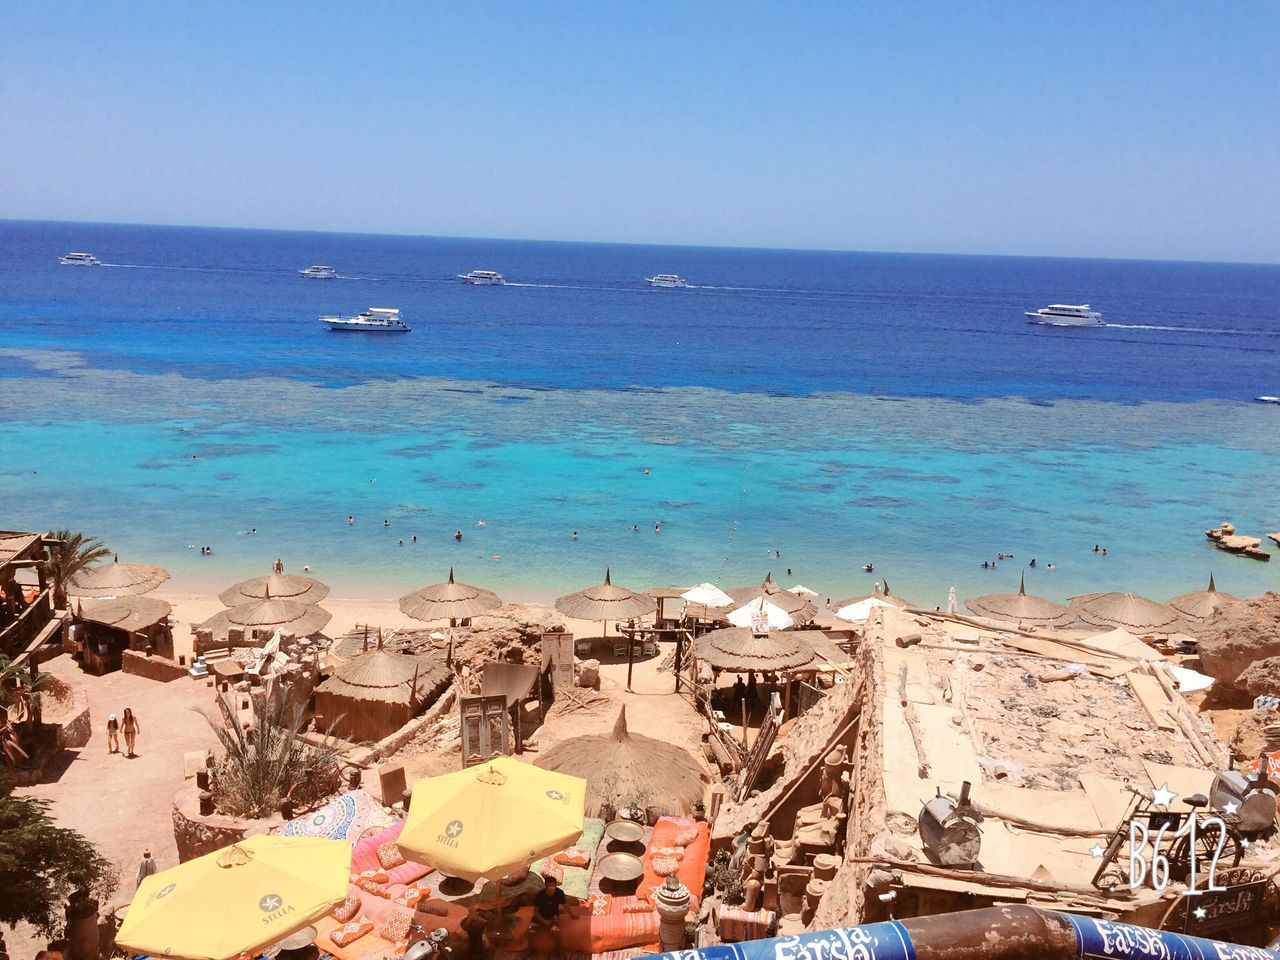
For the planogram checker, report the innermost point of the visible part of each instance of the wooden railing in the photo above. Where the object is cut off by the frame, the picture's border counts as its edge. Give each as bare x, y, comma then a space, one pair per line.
18, 635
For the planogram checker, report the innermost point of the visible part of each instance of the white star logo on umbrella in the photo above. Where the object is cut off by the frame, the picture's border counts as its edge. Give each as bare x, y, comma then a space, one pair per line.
270, 903
453, 829
1162, 796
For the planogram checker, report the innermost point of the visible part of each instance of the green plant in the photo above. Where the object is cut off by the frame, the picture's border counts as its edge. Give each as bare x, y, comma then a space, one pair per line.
725, 877
262, 766
67, 558
42, 863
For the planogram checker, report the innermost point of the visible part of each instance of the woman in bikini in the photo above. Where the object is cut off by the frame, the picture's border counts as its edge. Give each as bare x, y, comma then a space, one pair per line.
113, 734
131, 730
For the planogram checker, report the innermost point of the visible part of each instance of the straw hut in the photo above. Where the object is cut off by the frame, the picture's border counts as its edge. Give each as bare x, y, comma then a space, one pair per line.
605, 602
1021, 608
619, 765
450, 601
1136, 614
371, 696
282, 586
104, 629
801, 610
740, 649
116, 579
267, 616
1202, 604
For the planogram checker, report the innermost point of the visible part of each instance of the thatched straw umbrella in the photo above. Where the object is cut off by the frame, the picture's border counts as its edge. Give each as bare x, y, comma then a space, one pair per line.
449, 600
282, 586
605, 602
740, 649
270, 613
1020, 608
374, 694
1201, 604
800, 609
116, 579
127, 613
621, 764
1136, 614
881, 594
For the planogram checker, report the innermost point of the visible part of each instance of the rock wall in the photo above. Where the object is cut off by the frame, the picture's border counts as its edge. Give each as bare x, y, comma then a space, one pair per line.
1238, 635
196, 835
512, 634
153, 668
367, 756
76, 723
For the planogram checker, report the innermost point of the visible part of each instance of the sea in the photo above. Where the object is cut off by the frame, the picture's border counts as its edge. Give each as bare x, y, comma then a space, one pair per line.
799, 413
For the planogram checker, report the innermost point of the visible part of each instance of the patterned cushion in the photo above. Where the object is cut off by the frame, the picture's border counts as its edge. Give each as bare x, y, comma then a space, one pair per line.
371, 886
352, 932
665, 866
411, 897
675, 853
573, 857
636, 905
396, 926
686, 837
599, 904
516, 876
347, 909
437, 908
377, 876
389, 855
550, 868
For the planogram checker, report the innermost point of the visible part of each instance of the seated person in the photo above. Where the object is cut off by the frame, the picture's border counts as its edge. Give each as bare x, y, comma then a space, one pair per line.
547, 903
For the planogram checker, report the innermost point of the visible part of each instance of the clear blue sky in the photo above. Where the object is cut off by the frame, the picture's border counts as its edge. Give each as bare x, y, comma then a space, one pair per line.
1127, 129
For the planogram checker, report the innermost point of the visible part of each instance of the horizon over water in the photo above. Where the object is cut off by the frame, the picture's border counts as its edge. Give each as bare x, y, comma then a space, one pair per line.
836, 408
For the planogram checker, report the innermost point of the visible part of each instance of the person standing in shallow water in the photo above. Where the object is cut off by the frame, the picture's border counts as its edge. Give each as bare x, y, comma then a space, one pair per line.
130, 728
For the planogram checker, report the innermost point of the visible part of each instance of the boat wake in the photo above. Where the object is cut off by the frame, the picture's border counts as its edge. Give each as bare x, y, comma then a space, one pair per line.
1226, 331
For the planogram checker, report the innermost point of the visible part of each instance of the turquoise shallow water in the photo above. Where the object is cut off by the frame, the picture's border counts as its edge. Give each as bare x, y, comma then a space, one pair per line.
925, 488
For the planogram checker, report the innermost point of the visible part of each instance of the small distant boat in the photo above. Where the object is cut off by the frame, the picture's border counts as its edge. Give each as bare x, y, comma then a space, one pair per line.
1275, 400
80, 260
667, 280
1066, 315
373, 320
482, 277
319, 272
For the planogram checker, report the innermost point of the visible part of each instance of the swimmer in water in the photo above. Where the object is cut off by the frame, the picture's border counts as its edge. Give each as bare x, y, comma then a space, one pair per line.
402, 543
480, 522
575, 534
414, 538
496, 556
306, 568
457, 535
350, 519
386, 523
657, 528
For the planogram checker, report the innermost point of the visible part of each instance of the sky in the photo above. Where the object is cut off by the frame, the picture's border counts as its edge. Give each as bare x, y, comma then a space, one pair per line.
1134, 129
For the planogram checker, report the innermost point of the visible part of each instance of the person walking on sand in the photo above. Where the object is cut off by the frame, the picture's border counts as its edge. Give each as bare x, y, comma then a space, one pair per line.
113, 734
131, 730
146, 868
278, 566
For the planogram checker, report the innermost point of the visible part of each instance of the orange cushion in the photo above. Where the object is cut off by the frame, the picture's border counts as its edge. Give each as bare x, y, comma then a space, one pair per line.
347, 909
675, 853
351, 932
389, 855
437, 908
377, 876
550, 868
685, 837
396, 926
665, 866
371, 886
410, 897
573, 857
598, 904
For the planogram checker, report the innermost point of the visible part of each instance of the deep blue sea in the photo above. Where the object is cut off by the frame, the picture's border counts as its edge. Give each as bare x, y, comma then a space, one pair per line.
830, 408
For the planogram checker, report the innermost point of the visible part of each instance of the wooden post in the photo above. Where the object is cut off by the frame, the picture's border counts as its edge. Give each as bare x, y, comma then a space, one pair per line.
631, 658
786, 695
679, 658
744, 722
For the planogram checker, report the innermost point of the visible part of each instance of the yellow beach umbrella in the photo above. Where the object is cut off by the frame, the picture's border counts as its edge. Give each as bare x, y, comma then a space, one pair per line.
238, 899
492, 819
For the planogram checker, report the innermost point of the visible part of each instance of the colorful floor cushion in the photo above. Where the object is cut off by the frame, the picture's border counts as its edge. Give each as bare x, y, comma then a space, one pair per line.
365, 857
576, 882
691, 869
342, 818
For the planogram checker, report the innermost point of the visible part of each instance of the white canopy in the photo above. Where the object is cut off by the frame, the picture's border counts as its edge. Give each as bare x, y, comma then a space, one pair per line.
800, 590
745, 615
859, 612
708, 594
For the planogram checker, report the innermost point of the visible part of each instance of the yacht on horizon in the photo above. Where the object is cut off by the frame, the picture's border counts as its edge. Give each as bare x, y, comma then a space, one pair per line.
667, 280
319, 272
1066, 315
482, 277
373, 320
80, 260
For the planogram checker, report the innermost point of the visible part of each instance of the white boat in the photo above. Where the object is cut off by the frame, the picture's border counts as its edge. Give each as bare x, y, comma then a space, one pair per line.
80, 260
373, 320
482, 277
319, 272
667, 280
1066, 315
1275, 400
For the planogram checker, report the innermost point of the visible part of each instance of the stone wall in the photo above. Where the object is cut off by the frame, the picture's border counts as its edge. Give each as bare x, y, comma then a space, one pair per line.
153, 668
367, 756
74, 720
196, 835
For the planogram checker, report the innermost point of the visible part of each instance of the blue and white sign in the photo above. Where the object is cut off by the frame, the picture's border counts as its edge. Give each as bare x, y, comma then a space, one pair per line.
872, 941
1104, 940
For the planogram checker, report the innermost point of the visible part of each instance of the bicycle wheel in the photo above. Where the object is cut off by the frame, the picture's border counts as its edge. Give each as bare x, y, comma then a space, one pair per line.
1206, 847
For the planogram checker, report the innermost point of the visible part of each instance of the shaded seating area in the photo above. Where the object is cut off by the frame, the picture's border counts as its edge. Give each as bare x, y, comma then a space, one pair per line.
374, 694
102, 630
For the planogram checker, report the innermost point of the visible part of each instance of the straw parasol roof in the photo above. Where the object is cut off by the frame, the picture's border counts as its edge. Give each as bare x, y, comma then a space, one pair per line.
125, 613
882, 594
449, 601
620, 764
1021, 608
284, 586
1128, 610
799, 608
270, 613
386, 677
116, 579
739, 649
605, 602
1201, 604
